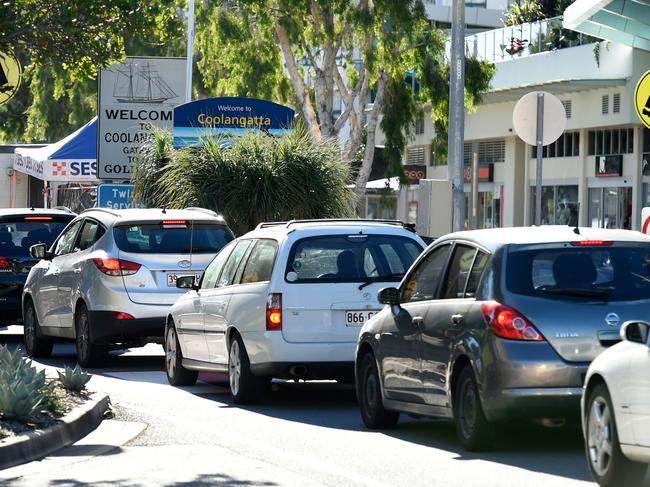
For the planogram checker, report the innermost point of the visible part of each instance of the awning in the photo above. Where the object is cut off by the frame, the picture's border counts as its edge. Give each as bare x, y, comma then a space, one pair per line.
623, 21
71, 159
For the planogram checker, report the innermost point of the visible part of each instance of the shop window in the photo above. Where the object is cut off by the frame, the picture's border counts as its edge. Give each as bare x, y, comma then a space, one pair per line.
567, 145
610, 207
646, 152
610, 142
559, 205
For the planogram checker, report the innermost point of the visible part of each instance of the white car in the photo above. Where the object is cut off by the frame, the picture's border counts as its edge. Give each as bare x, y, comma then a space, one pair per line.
286, 300
616, 410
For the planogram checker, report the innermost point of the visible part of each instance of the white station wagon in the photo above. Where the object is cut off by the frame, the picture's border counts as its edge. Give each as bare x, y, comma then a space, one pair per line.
286, 300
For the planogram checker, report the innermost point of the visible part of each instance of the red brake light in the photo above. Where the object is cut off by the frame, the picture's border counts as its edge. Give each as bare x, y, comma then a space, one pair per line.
38, 218
508, 323
117, 267
274, 312
587, 243
174, 223
120, 315
4, 263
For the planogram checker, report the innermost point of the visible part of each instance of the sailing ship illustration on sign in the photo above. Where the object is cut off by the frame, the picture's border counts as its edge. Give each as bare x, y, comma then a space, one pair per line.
140, 83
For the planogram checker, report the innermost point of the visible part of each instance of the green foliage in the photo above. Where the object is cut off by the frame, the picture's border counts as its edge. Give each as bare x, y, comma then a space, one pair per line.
258, 178
74, 379
62, 46
524, 11
24, 391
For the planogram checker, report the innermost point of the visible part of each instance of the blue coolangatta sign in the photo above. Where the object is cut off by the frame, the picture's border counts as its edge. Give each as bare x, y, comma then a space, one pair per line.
228, 117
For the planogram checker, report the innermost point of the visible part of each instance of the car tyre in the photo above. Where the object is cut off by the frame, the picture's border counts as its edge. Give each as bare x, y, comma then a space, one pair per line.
474, 431
89, 353
373, 413
607, 464
35, 344
245, 388
177, 375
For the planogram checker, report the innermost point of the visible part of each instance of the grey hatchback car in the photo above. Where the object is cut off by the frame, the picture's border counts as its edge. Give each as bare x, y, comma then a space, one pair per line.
490, 325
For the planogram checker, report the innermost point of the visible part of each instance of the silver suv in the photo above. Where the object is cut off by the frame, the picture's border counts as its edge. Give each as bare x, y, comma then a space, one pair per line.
110, 277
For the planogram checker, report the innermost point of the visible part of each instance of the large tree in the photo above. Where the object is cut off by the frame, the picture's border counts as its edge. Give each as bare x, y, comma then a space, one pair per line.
359, 51
63, 45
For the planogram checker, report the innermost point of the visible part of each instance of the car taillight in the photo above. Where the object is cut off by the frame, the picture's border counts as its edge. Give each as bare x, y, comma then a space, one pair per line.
591, 243
121, 315
117, 267
274, 312
508, 323
4, 263
174, 223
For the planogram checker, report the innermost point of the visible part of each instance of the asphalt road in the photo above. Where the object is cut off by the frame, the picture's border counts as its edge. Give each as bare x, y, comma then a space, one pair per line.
304, 434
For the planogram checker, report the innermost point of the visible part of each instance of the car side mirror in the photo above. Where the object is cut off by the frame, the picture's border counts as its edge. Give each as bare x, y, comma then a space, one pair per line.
186, 282
388, 295
39, 251
636, 332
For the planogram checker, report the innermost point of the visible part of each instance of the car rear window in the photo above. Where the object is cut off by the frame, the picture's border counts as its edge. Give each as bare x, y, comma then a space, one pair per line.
351, 258
154, 238
614, 272
17, 236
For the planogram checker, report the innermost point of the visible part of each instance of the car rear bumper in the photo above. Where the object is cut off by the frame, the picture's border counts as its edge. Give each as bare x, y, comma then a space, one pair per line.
105, 328
271, 355
535, 402
306, 370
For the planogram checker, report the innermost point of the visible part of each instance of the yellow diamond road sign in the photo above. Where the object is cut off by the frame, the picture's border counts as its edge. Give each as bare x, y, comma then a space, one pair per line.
642, 99
10, 76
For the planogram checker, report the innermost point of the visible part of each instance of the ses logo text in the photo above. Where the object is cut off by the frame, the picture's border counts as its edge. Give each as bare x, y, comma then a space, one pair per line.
58, 170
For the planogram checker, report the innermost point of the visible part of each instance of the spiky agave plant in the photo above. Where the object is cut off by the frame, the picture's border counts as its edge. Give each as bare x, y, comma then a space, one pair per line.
74, 379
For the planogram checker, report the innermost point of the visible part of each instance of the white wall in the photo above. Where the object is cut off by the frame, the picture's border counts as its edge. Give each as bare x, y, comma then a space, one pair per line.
12, 195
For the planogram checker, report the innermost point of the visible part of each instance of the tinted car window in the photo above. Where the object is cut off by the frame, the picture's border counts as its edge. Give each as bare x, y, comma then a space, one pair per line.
260, 263
213, 270
475, 275
351, 258
16, 237
617, 272
66, 240
90, 233
232, 264
423, 282
458, 272
153, 238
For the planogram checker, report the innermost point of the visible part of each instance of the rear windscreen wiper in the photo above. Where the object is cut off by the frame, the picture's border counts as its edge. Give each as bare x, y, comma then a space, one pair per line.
583, 293
380, 278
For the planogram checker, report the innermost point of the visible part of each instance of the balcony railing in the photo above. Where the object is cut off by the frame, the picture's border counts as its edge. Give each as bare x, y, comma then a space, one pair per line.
524, 40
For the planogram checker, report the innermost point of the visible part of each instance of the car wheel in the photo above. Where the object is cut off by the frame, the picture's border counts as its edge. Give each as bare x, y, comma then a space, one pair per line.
373, 413
35, 345
245, 387
607, 463
473, 429
177, 375
89, 353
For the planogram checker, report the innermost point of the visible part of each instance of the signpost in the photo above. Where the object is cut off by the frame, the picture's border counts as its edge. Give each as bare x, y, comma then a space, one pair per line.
539, 118
134, 97
116, 196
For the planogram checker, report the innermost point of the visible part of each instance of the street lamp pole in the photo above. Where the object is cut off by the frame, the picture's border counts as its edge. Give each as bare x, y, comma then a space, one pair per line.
456, 137
190, 50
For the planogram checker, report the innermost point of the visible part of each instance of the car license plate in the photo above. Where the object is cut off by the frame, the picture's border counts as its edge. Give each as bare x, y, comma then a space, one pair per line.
358, 318
171, 278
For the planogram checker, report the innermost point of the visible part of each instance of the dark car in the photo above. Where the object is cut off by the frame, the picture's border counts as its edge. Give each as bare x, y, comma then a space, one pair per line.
20, 228
495, 325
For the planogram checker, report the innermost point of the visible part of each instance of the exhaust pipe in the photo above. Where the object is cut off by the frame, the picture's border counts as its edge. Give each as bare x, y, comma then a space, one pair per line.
298, 370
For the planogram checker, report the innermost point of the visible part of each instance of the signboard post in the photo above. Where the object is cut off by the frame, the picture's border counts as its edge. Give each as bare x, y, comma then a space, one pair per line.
134, 97
549, 113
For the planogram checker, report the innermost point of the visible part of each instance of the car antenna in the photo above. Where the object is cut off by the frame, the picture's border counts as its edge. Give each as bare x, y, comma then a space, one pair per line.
576, 230
164, 211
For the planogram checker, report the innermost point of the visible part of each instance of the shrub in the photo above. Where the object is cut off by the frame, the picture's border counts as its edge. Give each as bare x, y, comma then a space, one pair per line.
256, 178
74, 379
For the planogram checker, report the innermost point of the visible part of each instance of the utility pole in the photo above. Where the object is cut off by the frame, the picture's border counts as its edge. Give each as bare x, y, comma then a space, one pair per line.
457, 113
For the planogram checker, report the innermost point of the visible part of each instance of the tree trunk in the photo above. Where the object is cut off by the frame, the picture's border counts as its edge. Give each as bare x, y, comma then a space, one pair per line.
369, 154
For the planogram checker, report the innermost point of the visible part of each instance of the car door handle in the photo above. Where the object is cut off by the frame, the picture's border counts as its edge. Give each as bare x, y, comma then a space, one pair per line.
418, 321
457, 319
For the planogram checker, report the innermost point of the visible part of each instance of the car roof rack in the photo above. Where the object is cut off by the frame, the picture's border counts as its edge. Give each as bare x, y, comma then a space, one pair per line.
103, 210
204, 210
64, 208
408, 226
